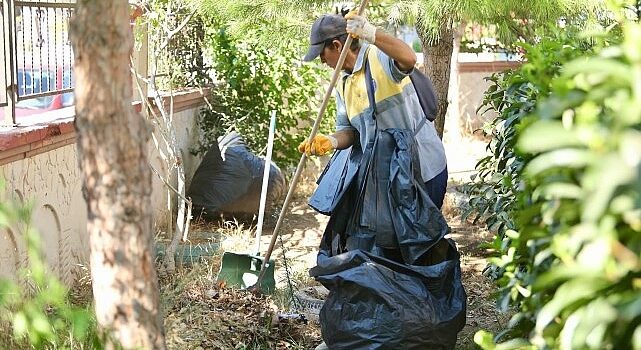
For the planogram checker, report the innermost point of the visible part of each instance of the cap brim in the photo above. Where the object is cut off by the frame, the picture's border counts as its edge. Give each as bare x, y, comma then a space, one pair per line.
313, 52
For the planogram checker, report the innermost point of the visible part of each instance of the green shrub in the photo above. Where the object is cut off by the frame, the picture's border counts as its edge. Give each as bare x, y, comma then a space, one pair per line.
249, 77
252, 81
512, 95
38, 311
570, 261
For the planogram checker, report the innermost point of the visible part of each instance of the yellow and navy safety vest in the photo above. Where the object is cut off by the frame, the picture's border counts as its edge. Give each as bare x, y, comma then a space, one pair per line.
397, 106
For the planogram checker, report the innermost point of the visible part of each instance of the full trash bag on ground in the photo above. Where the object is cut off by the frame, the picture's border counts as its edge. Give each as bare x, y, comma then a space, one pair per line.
394, 279
228, 181
377, 303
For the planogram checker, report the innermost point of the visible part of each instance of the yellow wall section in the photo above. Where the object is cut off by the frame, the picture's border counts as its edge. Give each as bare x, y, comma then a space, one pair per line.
356, 100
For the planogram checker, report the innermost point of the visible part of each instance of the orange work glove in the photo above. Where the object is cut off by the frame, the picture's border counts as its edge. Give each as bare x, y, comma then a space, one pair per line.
320, 145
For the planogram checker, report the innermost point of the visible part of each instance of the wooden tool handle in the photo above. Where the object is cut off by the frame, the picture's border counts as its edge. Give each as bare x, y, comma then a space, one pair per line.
303, 158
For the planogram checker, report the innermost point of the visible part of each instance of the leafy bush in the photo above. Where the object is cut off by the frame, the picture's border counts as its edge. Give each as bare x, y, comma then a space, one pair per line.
38, 311
570, 257
512, 96
252, 81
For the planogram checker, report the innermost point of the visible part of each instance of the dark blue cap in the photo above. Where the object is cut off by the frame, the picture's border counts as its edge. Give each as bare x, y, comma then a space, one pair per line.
325, 28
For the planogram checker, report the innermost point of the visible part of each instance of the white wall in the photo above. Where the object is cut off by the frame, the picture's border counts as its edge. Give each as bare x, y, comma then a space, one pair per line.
52, 182
186, 136
472, 87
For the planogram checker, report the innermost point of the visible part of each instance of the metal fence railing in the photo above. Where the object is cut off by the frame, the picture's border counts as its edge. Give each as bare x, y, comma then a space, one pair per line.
39, 56
4, 45
36, 58
44, 58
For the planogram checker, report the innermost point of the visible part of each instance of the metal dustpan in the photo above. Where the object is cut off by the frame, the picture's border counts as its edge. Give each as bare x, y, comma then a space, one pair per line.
242, 270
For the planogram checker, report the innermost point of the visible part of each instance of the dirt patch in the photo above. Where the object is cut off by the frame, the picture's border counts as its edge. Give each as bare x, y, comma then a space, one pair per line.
481, 308
201, 314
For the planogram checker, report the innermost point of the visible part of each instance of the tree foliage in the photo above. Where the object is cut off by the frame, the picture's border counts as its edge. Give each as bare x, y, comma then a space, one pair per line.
271, 22
292, 19
514, 18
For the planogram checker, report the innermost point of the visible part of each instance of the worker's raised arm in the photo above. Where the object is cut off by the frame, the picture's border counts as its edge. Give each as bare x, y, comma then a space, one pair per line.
395, 48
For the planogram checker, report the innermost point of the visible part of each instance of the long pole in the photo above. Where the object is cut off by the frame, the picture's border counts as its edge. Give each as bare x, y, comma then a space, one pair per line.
263, 192
303, 158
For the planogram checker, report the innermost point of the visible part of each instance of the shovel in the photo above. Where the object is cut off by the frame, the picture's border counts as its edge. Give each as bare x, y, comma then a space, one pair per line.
241, 270
262, 283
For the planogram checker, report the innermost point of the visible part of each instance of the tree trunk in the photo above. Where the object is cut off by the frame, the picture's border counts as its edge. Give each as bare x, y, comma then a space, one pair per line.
453, 124
437, 57
112, 151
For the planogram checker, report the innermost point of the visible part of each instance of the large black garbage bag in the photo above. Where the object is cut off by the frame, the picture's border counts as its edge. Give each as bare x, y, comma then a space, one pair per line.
394, 280
385, 205
229, 180
376, 303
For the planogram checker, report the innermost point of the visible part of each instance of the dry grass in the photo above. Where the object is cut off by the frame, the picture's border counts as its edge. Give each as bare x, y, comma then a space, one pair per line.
201, 313
482, 313
237, 237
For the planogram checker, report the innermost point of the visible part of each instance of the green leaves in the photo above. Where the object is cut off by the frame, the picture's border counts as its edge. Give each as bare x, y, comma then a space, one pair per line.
255, 80
571, 260
486, 341
546, 135
44, 316
570, 294
40, 315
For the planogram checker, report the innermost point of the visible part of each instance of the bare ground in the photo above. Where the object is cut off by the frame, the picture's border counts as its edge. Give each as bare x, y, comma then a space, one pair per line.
200, 313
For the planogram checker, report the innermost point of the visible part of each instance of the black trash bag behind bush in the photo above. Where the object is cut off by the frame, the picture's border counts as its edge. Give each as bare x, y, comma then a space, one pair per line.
229, 179
376, 303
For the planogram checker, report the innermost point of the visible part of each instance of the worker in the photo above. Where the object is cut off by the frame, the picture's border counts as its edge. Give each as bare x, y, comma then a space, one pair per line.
391, 61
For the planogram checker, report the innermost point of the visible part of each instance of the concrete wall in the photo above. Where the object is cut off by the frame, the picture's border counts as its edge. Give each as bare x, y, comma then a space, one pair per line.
186, 136
51, 180
471, 88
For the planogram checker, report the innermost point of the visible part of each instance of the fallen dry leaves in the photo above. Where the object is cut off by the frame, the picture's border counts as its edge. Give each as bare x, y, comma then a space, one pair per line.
200, 314
206, 315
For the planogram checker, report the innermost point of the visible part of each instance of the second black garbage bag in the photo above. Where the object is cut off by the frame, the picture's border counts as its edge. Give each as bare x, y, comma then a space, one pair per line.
229, 179
377, 303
